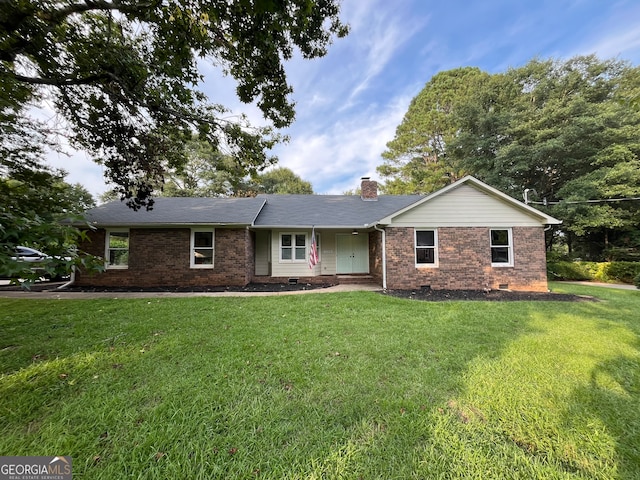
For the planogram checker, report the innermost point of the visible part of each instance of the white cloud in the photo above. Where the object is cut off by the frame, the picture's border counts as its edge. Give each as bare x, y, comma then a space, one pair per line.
616, 43
78, 165
382, 32
81, 169
335, 157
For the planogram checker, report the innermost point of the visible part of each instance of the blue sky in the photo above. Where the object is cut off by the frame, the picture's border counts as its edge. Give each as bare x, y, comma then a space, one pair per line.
350, 102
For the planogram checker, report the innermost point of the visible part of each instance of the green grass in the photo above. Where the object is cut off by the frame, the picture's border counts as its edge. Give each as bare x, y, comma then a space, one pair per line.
325, 386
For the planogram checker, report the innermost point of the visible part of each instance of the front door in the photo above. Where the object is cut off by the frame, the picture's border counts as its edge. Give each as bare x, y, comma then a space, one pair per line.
352, 253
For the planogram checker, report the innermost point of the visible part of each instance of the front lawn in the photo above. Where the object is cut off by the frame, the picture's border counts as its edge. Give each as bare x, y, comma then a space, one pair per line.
324, 386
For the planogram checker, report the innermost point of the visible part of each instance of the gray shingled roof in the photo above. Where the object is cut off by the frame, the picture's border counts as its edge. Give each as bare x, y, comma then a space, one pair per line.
348, 211
179, 210
328, 210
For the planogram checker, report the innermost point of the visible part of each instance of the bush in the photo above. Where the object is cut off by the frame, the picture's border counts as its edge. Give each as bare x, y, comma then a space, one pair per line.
567, 271
625, 272
637, 281
596, 270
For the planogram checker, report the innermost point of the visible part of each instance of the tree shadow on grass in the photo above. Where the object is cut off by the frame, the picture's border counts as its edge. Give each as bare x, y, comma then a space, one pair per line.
610, 403
521, 412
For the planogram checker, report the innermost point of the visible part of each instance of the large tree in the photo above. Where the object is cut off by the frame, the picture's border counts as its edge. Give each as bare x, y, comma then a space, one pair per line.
36, 205
416, 160
209, 173
566, 131
123, 76
282, 181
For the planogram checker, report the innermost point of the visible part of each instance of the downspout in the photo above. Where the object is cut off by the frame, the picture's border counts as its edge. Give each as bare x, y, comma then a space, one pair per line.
384, 256
72, 279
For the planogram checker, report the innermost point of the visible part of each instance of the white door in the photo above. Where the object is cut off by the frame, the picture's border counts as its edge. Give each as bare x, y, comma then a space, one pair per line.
352, 253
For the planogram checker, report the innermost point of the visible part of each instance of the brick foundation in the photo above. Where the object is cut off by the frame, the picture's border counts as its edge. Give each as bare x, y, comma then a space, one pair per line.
465, 261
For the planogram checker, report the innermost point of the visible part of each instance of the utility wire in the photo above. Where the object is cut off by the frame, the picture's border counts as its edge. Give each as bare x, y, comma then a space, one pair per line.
584, 201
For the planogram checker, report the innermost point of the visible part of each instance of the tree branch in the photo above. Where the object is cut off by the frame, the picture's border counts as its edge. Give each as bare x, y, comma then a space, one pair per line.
58, 15
59, 82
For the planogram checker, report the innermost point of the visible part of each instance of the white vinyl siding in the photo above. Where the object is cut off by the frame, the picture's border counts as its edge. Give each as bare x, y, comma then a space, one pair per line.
202, 248
117, 249
263, 257
465, 206
326, 252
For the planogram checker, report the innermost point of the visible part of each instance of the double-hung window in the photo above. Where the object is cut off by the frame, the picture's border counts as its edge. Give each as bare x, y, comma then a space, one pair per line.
501, 247
293, 247
202, 248
117, 249
426, 242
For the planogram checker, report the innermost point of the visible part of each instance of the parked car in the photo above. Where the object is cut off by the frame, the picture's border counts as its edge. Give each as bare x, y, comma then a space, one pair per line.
36, 261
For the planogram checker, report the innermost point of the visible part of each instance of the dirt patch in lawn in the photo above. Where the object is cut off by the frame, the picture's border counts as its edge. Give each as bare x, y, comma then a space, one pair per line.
492, 295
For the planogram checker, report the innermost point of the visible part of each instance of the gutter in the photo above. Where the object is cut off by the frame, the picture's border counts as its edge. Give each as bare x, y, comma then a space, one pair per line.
384, 256
307, 227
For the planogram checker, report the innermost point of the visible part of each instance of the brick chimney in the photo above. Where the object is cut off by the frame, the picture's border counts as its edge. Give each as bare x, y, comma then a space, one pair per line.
368, 189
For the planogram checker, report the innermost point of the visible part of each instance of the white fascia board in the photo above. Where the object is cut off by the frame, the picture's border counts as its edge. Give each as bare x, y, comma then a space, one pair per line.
302, 227
168, 225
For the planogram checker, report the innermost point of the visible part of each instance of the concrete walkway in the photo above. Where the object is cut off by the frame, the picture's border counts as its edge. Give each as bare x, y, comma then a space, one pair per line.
619, 286
65, 295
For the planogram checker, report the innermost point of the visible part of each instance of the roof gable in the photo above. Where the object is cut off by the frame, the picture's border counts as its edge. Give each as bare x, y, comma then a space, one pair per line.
469, 202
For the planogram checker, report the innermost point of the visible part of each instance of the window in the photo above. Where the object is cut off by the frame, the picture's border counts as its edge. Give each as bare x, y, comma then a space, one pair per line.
426, 248
293, 247
501, 248
202, 248
117, 253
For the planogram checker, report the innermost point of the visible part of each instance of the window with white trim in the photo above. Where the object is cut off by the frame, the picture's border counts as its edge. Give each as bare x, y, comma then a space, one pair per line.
117, 249
501, 247
202, 248
426, 242
293, 247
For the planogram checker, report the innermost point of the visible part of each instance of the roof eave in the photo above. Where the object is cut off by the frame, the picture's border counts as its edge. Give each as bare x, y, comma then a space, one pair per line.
308, 226
166, 225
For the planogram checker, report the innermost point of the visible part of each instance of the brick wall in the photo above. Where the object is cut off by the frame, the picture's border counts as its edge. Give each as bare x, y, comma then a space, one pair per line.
465, 261
160, 257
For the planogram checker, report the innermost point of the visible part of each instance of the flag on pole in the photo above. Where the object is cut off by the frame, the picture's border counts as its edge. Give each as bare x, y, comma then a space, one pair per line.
313, 251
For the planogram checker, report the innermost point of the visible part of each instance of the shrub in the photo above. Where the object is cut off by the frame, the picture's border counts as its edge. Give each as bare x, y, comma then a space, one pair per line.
626, 272
568, 271
637, 281
596, 270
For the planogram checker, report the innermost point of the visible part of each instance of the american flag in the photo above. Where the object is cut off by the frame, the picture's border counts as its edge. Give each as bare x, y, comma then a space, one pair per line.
313, 252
